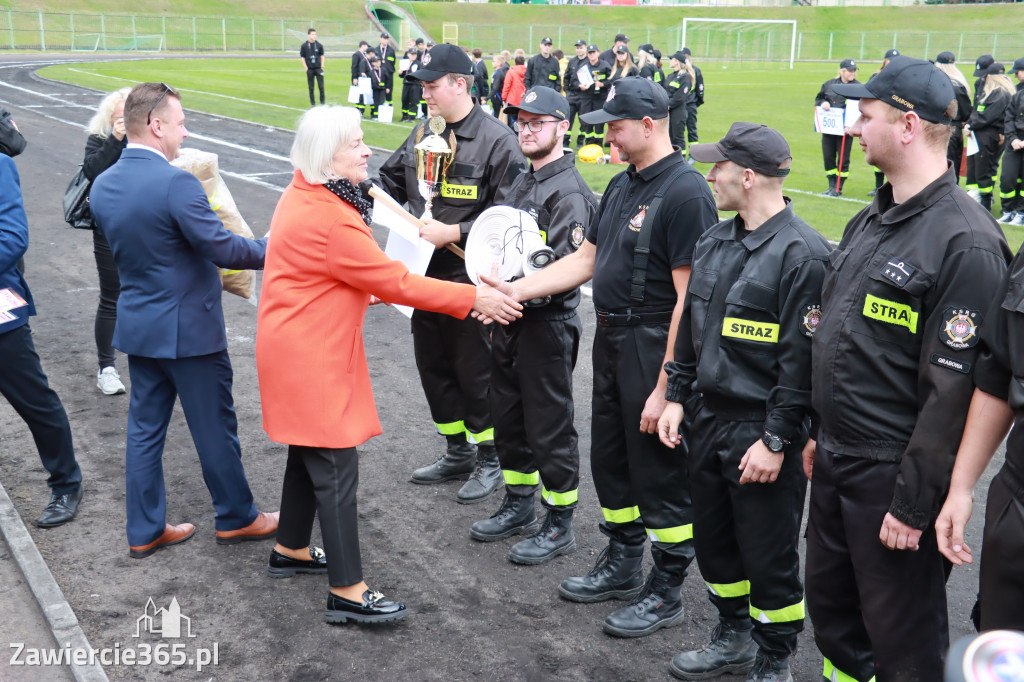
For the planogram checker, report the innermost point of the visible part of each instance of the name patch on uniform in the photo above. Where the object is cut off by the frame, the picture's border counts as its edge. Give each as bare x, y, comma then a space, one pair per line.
960, 330
765, 332
898, 272
576, 234
458, 191
890, 312
950, 363
811, 318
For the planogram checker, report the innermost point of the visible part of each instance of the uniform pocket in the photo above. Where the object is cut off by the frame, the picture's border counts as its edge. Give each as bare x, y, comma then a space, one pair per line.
751, 320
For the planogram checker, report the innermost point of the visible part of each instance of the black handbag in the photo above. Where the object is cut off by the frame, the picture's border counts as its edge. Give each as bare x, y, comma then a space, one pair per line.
76, 202
12, 142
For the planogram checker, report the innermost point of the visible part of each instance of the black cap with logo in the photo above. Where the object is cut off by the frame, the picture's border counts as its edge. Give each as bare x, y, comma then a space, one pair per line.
646, 47
621, 49
908, 84
442, 60
546, 41
750, 145
984, 61
946, 58
889, 54
621, 38
848, 64
632, 98
581, 43
593, 48
385, 34
541, 99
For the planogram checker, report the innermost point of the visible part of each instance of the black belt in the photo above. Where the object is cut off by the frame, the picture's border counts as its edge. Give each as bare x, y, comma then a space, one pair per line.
632, 318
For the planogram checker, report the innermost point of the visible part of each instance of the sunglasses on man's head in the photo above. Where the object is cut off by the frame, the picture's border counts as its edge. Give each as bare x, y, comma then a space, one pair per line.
167, 89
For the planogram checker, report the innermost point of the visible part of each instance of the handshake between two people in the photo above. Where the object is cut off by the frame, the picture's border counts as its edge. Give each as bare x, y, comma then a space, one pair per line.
495, 300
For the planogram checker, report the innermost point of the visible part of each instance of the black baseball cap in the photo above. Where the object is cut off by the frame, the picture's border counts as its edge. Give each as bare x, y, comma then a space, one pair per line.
621, 49
621, 38
593, 48
686, 51
657, 53
1018, 65
541, 99
581, 43
994, 69
679, 55
632, 98
646, 47
431, 43
385, 34
546, 41
984, 61
848, 64
946, 58
889, 54
750, 145
908, 84
442, 60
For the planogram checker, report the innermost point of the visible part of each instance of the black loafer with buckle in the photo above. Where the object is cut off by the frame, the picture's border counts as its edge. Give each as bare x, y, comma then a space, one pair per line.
373, 609
281, 566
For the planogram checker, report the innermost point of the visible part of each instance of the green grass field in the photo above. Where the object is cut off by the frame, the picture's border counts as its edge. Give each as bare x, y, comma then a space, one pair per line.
273, 92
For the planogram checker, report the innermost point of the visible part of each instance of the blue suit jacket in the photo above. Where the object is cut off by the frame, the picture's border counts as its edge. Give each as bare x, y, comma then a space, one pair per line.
168, 244
13, 241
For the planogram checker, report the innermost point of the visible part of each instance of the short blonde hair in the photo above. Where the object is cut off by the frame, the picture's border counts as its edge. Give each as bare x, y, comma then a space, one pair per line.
322, 131
100, 123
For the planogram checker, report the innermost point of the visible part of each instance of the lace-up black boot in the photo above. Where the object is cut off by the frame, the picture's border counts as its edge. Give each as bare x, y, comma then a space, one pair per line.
617, 574
516, 515
730, 651
768, 668
456, 462
658, 606
553, 539
485, 479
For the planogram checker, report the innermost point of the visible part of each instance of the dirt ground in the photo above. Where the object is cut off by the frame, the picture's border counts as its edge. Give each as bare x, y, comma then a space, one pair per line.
474, 615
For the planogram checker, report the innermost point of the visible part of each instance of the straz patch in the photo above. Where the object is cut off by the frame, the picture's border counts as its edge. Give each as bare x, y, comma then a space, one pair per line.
898, 272
764, 332
950, 363
458, 191
576, 234
890, 312
960, 330
638, 220
811, 318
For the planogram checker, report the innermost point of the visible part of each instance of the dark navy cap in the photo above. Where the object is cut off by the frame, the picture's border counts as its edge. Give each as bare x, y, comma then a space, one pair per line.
984, 61
679, 56
686, 51
442, 60
621, 38
946, 58
646, 47
892, 53
632, 98
593, 48
750, 145
995, 68
541, 99
1018, 65
621, 49
848, 64
908, 84
581, 43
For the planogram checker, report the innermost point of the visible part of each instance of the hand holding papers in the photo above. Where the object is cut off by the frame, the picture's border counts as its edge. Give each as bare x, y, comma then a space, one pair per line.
404, 243
585, 77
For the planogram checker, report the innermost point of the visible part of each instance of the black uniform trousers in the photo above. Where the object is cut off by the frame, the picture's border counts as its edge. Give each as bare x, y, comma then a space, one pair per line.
594, 133
746, 536
532, 360
691, 123
378, 100
1002, 555
318, 76
677, 126
575, 109
23, 383
389, 86
454, 362
875, 611
1011, 179
955, 149
830, 147
411, 94
986, 161
643, 487
322, 482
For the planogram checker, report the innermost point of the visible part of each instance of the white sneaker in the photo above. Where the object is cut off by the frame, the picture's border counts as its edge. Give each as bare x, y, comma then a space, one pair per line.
975, 194
109, 381
1018, 219
1007, 217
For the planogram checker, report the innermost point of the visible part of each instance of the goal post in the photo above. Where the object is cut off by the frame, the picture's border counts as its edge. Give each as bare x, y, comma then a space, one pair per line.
736, 26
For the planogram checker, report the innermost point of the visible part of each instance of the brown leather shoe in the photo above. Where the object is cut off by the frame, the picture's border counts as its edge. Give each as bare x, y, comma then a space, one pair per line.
265, 526
172, 535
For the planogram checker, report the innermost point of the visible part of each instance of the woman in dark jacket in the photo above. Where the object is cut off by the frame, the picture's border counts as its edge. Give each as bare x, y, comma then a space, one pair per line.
102, 150
986, 125
678, 85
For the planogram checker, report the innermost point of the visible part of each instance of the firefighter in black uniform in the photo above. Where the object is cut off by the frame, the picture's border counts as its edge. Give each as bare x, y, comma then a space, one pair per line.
980, 67
388, 65
638, 250
543, 69
412, 91
997, 404
377, 85
694, 99
986, 125
571, 86
360, 62
592, 95
678, 86
742, 369
532, 361
453, 356
648, 64
834, 146
891, 380
1013, 155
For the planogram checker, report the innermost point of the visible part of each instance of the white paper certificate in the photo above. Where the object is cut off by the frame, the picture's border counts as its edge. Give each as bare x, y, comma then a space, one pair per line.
404, 244
586, 78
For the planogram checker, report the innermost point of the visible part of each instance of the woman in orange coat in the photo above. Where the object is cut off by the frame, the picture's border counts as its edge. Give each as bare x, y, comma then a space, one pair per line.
323, 268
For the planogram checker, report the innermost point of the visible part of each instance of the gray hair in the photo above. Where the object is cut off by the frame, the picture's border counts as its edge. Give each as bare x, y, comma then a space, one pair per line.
100, 123
322, 131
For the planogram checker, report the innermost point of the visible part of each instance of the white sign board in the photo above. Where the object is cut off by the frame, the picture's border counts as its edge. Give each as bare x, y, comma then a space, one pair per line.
829, 122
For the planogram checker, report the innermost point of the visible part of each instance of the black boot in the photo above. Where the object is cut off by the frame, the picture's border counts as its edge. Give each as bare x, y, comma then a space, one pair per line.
831, 191
554, 538
840, 181
456, 462
659, 605
731, 650
617, 574
485, 479
768, 668
516, 515
986, 201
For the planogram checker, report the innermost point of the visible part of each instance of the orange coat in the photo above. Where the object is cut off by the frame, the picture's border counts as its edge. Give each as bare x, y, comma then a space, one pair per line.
322, 265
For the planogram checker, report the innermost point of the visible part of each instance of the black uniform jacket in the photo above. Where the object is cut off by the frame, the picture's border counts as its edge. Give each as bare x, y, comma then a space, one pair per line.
359, 63
570, 84
652, 73
905, 293
600, 73
388, 65
752, 305
988, 113
541, 70
487, 160
678, 86
1013, 117
498, 82
696, 96
827, 94
557, 197
1000, 365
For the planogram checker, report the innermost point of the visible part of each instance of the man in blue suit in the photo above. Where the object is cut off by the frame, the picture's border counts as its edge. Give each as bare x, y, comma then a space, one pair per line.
168, 244
22, 381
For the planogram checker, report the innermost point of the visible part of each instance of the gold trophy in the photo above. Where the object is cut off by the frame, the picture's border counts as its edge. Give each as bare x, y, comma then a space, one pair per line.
433, 156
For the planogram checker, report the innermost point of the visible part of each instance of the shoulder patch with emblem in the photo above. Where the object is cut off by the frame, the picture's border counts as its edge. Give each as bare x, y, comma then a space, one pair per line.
960, 330
898, 272
576, 234
811, 318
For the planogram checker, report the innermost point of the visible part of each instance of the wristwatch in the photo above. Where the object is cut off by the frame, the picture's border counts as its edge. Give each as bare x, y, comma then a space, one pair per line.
773, 442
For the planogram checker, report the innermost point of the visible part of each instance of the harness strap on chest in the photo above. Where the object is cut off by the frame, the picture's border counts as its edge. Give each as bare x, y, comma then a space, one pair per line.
642, 250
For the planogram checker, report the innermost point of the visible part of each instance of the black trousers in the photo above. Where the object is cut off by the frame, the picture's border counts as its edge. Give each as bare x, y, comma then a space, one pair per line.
454, 361
411, 93
575, 110
691, 123
23, 383
389, 86
318, 75
594, 134
876, 612
532, 361
830, 147
378, 99
643, 486
986, 161
1010, 180
746, 536
322, 482
110, 290
496, 105
1002, 555
955, 149
677, 126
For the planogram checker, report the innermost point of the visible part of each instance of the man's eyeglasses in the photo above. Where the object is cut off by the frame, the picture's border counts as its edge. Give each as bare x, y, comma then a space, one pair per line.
167, 89
534, 126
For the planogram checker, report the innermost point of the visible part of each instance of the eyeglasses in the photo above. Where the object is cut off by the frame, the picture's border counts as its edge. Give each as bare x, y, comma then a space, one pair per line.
534, 126
167, 89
